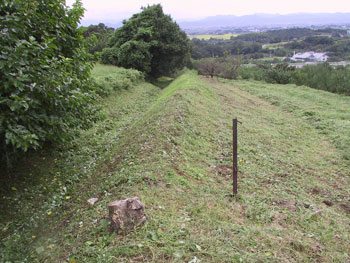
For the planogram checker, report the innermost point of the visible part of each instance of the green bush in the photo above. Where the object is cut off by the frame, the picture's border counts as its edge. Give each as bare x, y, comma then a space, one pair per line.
280, 74
45, 88
109, 56
255, 73
324, 77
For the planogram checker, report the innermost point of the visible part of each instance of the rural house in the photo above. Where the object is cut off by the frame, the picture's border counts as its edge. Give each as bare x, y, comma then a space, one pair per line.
310, 56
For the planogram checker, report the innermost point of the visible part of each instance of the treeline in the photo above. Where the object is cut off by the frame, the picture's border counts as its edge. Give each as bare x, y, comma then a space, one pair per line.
255, 45
218, 47
321, 76
285, 35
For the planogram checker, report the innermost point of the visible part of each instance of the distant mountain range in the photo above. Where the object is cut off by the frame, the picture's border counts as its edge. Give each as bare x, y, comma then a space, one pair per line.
256, 20
268, 20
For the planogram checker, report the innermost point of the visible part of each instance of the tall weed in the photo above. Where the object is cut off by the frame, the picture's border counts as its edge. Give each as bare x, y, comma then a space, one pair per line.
117, 80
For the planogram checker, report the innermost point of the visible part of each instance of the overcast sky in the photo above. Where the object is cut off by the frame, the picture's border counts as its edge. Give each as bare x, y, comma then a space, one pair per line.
192, 9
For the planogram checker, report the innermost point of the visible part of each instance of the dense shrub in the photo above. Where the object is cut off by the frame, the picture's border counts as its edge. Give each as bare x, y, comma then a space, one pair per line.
109, 56
324, 77
45, 87
253, 72
280, 74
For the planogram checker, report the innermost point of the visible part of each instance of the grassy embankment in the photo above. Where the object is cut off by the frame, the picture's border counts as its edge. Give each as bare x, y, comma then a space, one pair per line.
174, 152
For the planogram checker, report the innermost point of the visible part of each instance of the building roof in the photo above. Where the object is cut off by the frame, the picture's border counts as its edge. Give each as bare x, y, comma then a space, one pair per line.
310, 55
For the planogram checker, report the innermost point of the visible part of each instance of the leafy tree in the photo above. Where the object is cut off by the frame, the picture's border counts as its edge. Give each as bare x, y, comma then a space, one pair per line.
45, 87
109, 56
209, 66
231, 65
150, 42
99, 34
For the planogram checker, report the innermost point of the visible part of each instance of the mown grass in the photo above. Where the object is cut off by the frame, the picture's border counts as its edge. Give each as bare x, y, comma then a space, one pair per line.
328, 113
173, 150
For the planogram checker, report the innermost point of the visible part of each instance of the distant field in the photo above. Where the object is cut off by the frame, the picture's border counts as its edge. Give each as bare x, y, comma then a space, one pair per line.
274, 45
270, 59
206, 37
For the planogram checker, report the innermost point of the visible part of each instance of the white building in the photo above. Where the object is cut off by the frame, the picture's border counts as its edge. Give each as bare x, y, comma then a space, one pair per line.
310, 56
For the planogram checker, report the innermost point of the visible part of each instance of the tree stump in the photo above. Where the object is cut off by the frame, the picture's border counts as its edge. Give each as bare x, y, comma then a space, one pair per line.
126, 214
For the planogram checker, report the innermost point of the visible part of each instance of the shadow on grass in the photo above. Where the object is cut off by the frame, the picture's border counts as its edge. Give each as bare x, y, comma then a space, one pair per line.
162, 82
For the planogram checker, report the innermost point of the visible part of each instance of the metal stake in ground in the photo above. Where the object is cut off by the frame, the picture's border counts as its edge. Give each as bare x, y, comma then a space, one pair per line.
235, 168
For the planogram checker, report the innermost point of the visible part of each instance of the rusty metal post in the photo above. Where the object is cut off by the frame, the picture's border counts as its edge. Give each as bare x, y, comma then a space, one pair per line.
235, 165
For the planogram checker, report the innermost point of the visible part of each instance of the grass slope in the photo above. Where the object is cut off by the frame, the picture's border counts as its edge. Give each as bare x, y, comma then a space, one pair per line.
327, 112
173, 150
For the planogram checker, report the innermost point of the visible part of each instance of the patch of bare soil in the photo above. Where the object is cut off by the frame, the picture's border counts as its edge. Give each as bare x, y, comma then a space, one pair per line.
290, 205
222, 170
278, 218
345, 207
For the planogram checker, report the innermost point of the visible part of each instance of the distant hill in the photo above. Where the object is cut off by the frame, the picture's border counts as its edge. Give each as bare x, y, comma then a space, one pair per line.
255, 20
268, 20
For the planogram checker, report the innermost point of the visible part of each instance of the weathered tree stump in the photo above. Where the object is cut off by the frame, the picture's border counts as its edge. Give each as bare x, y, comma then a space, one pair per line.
126, 214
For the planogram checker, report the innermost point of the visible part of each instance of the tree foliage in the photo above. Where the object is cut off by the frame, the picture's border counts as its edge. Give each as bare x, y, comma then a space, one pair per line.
150, 42
226, 67
45, 87
208, 66
99, 34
